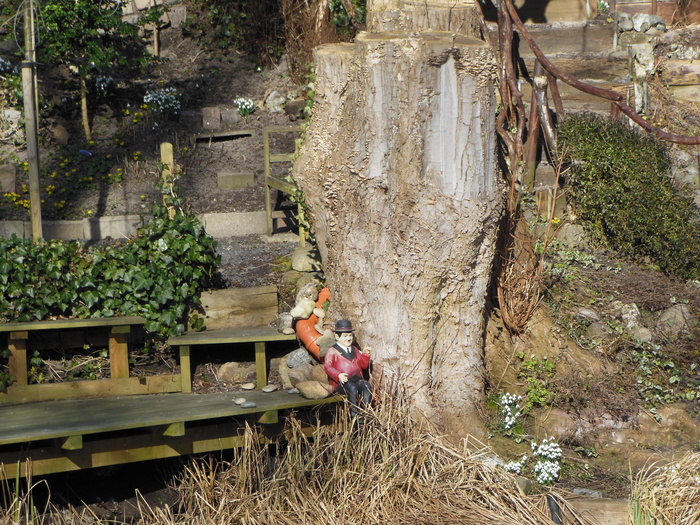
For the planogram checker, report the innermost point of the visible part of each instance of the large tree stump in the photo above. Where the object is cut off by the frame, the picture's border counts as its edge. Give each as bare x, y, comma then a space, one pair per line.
399, 174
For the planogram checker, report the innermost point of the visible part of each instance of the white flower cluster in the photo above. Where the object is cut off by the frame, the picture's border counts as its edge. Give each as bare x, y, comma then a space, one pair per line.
102, 83
515, 466
245, 106
5, 66
162, 100
510, 410
548, 453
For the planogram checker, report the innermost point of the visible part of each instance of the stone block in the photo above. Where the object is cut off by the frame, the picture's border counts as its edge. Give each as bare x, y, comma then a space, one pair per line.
177, 15
191, 120
220, 225
230, 116
211, 118
235, 181
8, 178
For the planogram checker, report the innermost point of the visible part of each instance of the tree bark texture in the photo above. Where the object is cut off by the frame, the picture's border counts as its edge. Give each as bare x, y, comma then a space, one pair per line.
398, 171
420, 15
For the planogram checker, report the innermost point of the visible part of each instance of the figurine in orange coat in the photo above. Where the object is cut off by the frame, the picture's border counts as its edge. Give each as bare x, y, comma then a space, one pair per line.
345, 365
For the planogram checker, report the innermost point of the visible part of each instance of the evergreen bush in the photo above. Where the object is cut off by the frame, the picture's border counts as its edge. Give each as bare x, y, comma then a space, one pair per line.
622, 191
158, 275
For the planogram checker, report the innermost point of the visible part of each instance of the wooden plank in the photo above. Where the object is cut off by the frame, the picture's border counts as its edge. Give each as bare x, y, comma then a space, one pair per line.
249, 334
232, 134
18, 394
185, 369
72, 443
207, 437
239, 307
280, 184
62, 324
64, 418
175, 429
260, 364
119, 353
17, 345
282, 157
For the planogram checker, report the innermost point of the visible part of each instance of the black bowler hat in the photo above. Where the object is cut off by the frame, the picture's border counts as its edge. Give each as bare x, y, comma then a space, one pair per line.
343, 326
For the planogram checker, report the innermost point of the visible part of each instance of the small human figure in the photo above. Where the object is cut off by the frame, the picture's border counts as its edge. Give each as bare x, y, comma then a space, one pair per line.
345, 365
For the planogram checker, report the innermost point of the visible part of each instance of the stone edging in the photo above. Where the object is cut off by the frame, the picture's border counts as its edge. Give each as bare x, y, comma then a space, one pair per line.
218, 225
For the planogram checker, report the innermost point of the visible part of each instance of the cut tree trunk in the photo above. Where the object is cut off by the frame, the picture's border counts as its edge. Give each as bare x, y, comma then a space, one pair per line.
398, 171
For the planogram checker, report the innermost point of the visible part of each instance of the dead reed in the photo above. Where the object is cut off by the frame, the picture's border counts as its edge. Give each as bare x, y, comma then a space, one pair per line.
669, 494
391, 470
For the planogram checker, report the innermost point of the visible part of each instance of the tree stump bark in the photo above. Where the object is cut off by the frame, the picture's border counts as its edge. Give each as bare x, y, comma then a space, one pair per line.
398, 171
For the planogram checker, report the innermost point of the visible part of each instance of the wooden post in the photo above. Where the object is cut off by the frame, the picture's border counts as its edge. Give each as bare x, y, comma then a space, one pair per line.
260, 364
266, 162
31, 121
18, 356
185, 369
168, 167
119, 351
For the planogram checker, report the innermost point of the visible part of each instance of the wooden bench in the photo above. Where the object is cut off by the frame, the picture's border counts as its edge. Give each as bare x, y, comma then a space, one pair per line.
258, 335
119, 382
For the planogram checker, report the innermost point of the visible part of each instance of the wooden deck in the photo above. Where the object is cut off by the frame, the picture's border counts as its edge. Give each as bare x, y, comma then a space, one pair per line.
58, 436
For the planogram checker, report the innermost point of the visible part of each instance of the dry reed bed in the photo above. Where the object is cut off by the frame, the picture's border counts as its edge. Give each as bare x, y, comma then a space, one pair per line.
668, 494
391, 470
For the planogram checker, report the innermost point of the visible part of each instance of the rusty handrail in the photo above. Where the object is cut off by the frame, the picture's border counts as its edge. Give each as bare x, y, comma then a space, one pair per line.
614, 97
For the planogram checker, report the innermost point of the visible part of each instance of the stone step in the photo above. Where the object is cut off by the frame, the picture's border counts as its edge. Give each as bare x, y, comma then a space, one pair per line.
591, 38
603, 511
588, 38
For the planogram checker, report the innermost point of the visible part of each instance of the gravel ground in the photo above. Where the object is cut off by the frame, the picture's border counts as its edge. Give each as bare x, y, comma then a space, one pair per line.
257, 260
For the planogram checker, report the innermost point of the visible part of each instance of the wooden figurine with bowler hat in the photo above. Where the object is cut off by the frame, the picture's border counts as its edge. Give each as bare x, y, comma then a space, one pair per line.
346, 364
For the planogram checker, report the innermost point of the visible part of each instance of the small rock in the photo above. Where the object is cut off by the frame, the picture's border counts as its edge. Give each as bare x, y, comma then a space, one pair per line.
248, 386
239, 400
314, 389
306, 259
249, 404
675, 321
626, 24
269, 388
588, 493
275, 102
298, 357
587, 313
284, 322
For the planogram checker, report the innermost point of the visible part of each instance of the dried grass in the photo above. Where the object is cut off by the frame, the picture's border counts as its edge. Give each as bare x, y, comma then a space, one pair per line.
391, 470
668, 495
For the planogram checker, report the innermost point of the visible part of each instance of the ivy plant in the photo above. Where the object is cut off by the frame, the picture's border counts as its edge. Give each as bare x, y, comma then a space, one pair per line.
158, 275
622, 191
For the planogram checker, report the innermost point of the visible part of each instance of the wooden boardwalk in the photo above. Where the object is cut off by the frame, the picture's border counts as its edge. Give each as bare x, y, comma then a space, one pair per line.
58, 436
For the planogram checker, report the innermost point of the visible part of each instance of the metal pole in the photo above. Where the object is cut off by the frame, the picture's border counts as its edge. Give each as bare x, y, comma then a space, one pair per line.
31, 122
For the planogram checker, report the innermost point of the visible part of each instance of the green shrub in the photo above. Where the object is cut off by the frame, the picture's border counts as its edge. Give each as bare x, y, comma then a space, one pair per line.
623, 194
158, 275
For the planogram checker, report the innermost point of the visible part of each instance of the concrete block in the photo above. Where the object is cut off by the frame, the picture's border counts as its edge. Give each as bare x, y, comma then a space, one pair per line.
235, 181
119, 227
220, 225
8, 178
65, 230
18, 228
211, 118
